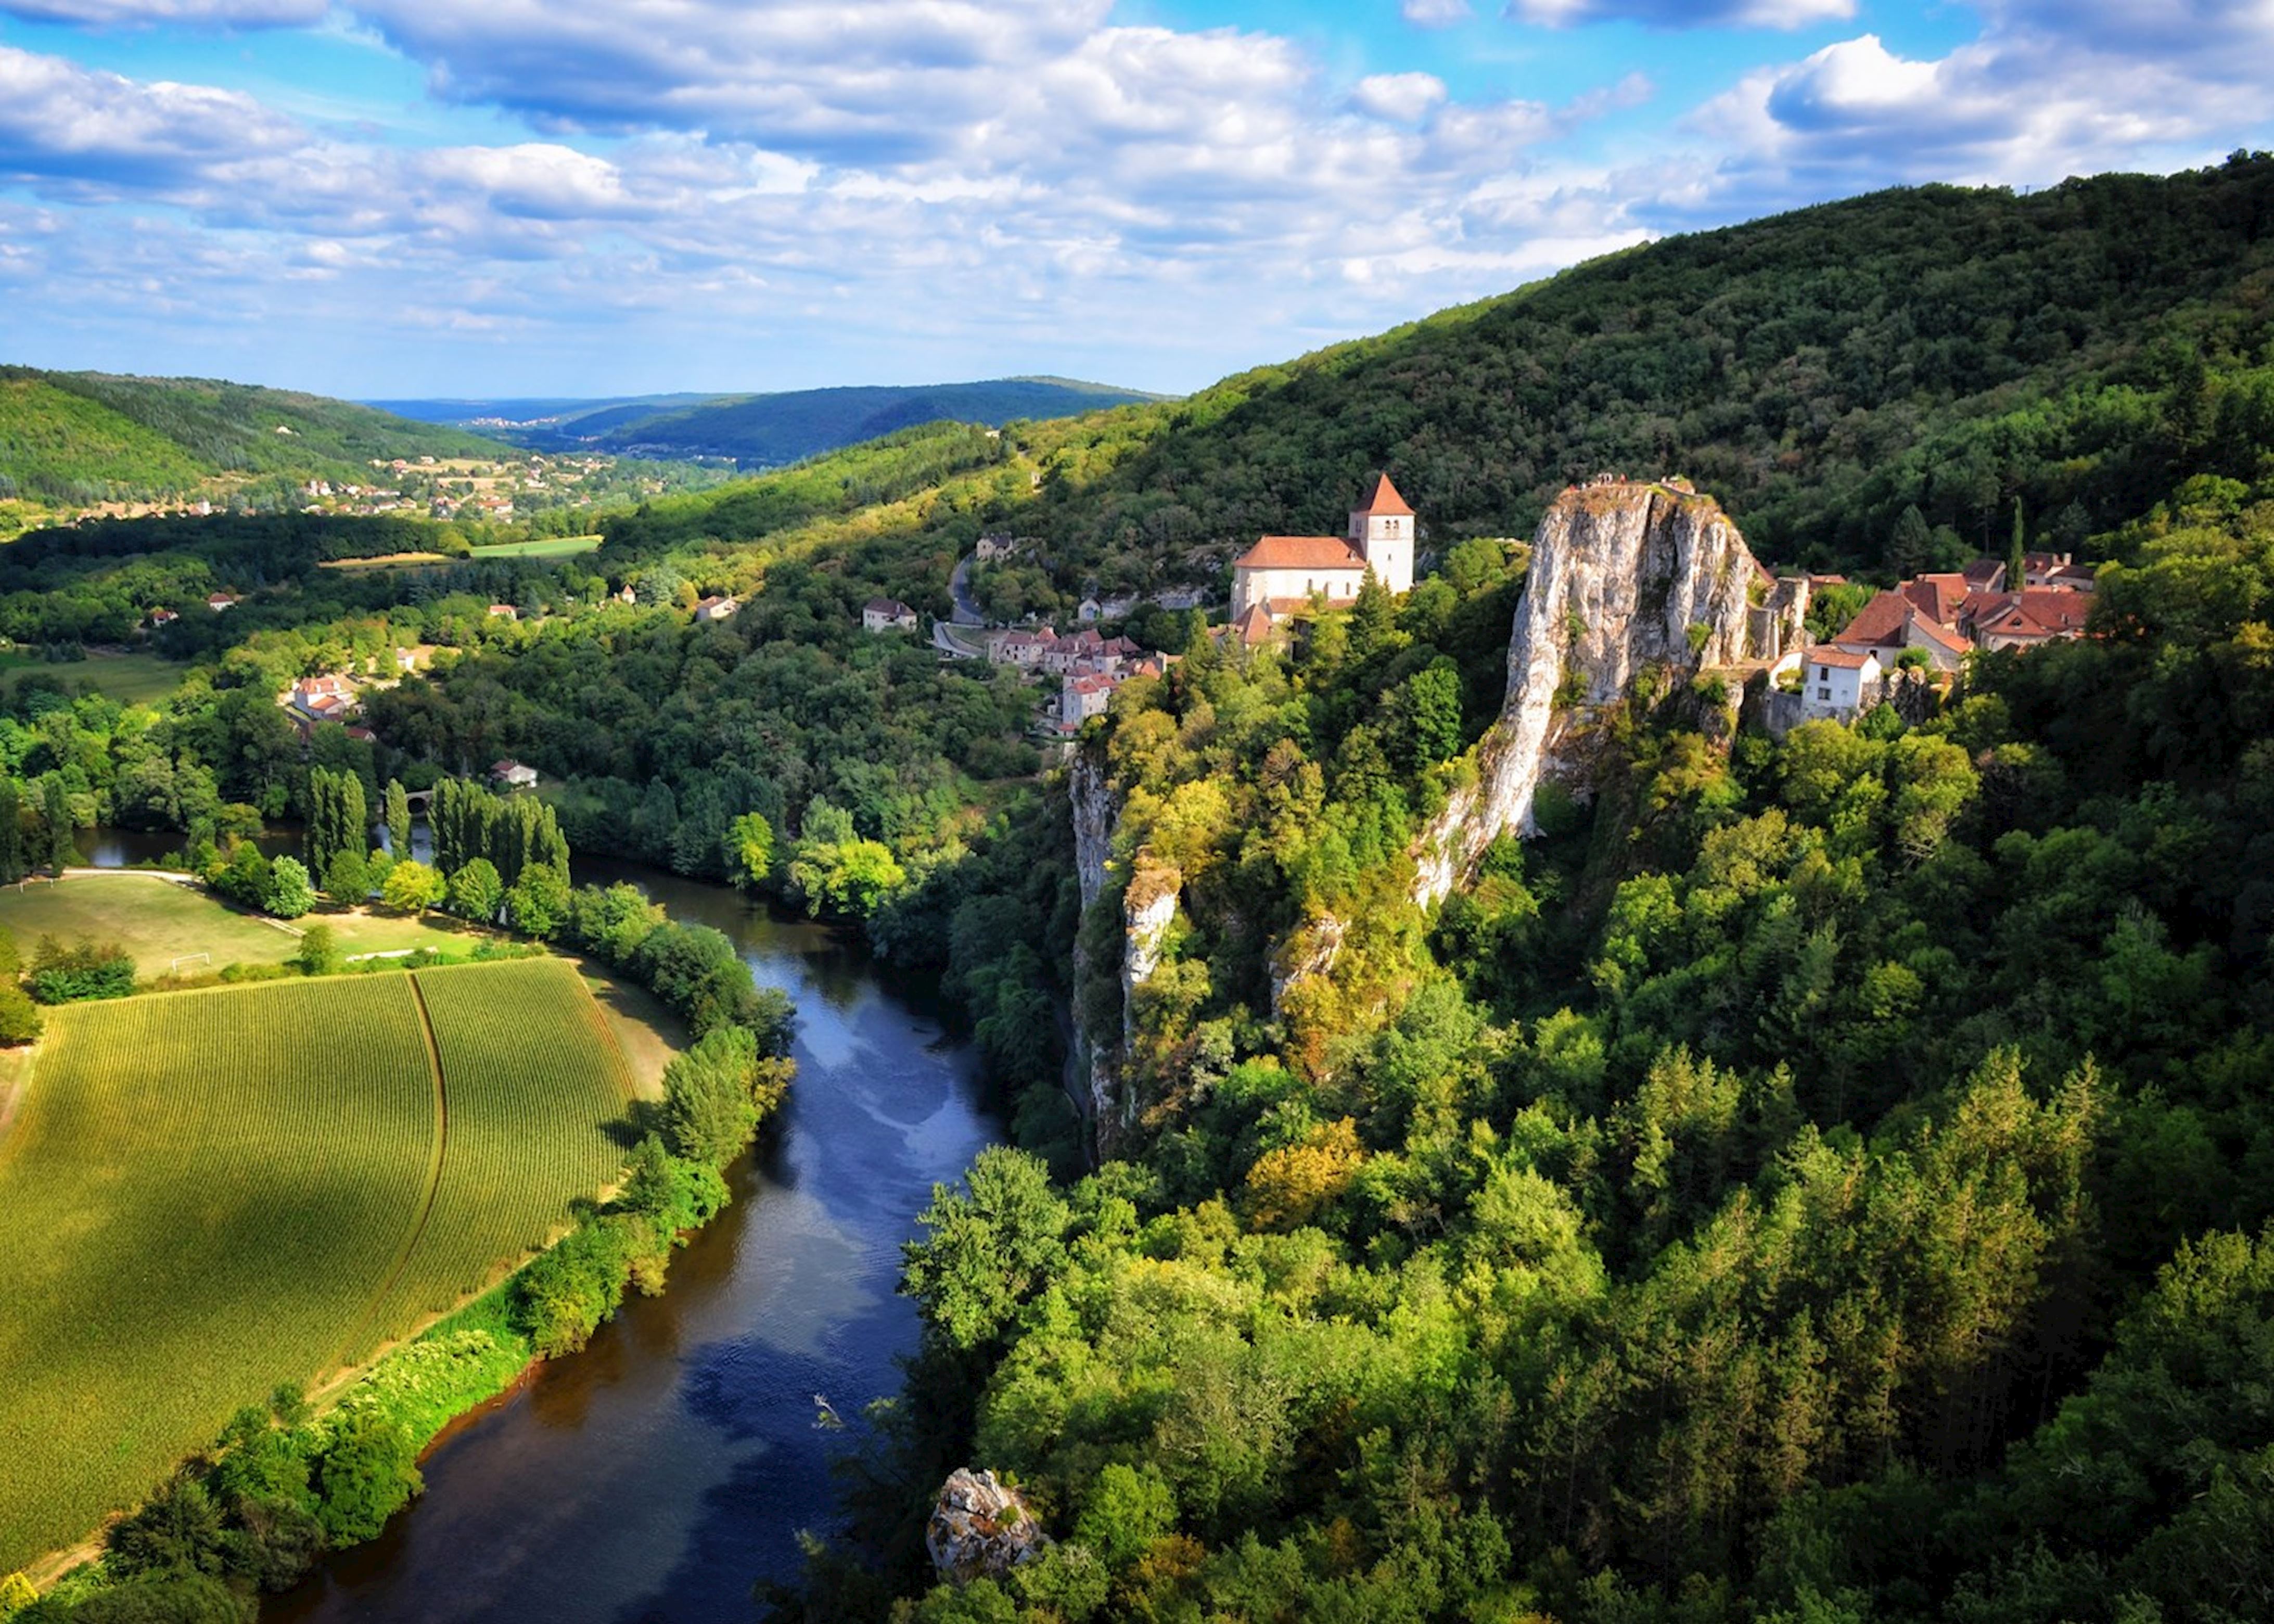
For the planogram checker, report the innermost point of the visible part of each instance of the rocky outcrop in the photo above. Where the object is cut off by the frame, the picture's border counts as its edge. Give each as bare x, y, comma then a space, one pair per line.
979, 1528
1095, 810
1625, 577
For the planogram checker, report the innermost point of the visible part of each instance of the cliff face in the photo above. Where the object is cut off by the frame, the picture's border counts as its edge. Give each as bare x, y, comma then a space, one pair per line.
1625, 578
1147, 904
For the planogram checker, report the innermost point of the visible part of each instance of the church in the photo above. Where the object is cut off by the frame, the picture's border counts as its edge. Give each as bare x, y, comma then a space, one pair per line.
1280, 574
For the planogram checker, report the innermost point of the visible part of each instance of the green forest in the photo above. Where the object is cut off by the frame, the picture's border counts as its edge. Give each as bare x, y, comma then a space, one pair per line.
75, 438
1823, 1180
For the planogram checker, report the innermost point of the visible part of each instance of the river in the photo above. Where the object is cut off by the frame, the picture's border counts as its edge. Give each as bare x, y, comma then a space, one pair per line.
657, 1474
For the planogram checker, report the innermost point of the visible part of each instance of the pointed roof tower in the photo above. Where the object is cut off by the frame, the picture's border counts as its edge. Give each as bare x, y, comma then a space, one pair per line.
1382, 497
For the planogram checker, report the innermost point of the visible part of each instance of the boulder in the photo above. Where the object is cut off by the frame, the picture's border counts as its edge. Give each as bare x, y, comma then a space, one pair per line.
980, 1528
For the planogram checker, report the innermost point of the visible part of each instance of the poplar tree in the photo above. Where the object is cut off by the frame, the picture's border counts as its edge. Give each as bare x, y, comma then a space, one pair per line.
55, 812
398, 817
13, 866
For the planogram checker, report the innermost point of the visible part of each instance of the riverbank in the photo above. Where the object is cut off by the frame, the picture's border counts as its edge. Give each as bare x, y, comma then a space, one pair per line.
478, 1350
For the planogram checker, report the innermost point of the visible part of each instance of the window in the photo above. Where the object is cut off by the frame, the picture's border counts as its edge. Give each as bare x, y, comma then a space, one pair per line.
1824, 693
1823, 674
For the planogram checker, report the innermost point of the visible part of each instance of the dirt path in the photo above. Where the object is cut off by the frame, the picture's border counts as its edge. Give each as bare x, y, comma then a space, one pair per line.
434, 1178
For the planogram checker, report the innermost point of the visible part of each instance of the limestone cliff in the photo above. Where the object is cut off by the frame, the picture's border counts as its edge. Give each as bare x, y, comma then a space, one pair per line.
1146, 905
1625, 577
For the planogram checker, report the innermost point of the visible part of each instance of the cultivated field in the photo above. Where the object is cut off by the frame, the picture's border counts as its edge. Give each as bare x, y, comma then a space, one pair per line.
157, 922
206, 1193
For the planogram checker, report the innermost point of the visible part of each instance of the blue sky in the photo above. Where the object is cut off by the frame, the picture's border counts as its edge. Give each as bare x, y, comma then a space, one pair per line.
502, 196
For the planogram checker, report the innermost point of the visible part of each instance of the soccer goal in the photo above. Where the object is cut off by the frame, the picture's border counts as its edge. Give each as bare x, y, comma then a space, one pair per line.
192, 958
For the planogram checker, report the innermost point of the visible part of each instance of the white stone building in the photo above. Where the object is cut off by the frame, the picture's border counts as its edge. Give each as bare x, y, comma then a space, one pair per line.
1282, 574
1833, 682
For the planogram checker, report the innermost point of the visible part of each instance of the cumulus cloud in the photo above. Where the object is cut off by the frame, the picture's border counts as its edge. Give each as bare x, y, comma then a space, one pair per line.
1402, 96
1682, 13
64, 126
2046, 91
1434, 13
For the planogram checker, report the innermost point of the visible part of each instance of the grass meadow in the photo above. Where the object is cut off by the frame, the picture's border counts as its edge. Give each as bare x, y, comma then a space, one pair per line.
207, 1194
158, 922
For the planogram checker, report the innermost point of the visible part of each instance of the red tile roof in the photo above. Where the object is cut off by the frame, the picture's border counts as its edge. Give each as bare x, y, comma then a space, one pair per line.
1879, 623
1300, 553
1823, 656
1254, 627
1383, 497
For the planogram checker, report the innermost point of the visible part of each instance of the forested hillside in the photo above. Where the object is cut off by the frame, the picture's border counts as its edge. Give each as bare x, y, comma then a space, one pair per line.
1822, 1180
768, 431
71, 438
1820, 372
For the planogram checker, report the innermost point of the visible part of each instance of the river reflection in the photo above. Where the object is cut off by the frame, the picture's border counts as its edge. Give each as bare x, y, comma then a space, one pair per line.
657, 1474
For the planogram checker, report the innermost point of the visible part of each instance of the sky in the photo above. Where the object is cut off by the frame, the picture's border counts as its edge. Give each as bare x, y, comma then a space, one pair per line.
498, 197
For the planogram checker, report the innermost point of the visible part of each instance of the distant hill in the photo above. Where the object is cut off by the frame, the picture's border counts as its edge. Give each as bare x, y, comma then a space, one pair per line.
75, 439
762, 431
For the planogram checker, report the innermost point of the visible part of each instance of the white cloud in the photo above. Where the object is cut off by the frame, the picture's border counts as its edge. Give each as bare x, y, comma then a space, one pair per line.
1404, 97
1434, 13
64, 126
1683, 13
2043, 93
128, 13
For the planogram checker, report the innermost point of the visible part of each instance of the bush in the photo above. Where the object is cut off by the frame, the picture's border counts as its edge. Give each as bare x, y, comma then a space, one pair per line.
320, 951
63, 974
21, 1021
368, 1472
567, 1294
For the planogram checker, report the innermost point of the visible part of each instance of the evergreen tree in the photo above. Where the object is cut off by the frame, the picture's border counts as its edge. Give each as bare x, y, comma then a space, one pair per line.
2017, 575
1908, 548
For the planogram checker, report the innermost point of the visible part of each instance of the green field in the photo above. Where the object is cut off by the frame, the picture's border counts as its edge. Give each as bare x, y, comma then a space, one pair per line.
130, 678
550, 546
158, 922
207, 1194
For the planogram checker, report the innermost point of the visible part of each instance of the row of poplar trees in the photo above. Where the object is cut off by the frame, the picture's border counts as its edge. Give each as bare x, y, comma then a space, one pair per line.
514, 832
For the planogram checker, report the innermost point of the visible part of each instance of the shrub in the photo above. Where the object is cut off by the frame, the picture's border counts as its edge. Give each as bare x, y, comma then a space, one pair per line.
368, 1472
63, 974
290, 893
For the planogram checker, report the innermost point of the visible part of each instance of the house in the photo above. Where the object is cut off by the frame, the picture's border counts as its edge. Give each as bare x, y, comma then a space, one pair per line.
406, 660
997, 545
887, 614
1022, 649
2059, 570
1282, 574
627, 595
1087, 611
1910, 617
504, 612
1835, 683
220, 601
314, 700
1253, 628
510, 774
2035, 615
717, 609
1081, 697
164, 617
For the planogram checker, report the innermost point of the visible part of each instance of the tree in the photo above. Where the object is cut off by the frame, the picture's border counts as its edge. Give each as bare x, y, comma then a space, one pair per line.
711, 1107
12, 864
411, 886
56, 824
2017, 572
1911, 544
538, 904
749, 851
398, 817
369, 1471
319, 953
289, 894
21, 1021
989, 1248
476, 891
347, 877
16, 1593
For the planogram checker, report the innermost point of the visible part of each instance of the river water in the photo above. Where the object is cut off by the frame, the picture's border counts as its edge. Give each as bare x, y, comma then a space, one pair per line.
657, 1474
